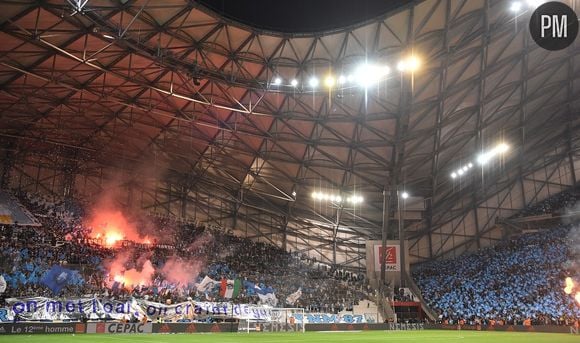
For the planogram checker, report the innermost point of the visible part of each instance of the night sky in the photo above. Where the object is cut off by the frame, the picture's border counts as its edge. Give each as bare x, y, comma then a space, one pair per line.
301, 16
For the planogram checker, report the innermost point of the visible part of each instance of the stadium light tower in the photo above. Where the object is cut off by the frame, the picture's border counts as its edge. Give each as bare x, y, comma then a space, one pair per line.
402, 197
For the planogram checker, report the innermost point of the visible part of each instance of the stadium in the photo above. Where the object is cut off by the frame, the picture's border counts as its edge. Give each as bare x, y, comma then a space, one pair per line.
302, 171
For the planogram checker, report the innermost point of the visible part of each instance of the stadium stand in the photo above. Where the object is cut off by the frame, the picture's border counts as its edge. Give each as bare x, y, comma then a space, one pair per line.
63, 239
11, 211
513, 281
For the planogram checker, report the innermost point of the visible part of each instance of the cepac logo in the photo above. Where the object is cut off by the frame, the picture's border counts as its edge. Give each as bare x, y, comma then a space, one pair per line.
554, 26
389, 255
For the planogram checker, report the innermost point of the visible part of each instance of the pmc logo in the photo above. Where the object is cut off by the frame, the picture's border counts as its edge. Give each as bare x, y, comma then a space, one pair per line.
554, 26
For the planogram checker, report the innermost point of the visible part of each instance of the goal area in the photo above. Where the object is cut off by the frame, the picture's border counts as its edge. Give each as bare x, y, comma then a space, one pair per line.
279, 320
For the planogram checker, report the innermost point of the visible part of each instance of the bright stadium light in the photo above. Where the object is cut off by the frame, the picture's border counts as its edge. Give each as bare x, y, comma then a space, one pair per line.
368, 74
341, 80
326, 197
355, 199
470, 165
534, 3
460, 172
405, 195
313, 82
453, 175
329, 81
483, 158
516, 6
487, 156
294, 82
409, 64
277, 81
502, 148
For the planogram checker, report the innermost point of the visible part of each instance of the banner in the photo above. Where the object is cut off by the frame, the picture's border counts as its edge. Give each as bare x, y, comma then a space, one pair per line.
391, 255
268, 299
293, 298
326, 318
41, 328
39, 308
2, 284
119, 327
206, 284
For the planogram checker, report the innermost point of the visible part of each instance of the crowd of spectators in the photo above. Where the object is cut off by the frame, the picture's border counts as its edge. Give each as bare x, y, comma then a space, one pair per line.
558, 203
513, 281
63, 239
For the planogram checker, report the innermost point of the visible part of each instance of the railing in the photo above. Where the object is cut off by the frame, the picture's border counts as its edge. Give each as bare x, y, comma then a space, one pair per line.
417, 292
382, 301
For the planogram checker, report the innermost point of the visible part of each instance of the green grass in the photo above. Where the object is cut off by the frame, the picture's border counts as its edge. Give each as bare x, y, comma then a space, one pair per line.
426, 336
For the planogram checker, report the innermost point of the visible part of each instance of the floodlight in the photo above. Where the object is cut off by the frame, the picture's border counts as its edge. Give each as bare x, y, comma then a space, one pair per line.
413, 63
368, 74
409, 64
460, 172
453, 175
341, 79
329, 81
402, 65
365, 75
313, 82
470, 165
502, 147
404, 195
516, 6
277, 81
294, 82
483, 158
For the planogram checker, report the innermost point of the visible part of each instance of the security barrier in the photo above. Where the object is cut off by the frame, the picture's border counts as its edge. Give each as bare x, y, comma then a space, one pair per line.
145, 328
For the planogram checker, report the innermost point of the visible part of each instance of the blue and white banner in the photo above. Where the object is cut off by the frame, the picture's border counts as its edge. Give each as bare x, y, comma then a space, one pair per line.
326, 318
39, 308
268, 299
293, 298
2, 284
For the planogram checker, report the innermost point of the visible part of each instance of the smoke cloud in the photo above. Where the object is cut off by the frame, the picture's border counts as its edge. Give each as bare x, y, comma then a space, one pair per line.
181, 272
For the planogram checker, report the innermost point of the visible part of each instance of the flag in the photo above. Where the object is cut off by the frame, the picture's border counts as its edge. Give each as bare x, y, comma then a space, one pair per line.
57, 277
253, 289
268, 299
2, 284
292, 298
206, 284
263, 290
230, 288
249, 287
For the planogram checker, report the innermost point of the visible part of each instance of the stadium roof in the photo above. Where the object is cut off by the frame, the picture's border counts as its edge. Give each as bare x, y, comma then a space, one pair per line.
179, 107
302, 16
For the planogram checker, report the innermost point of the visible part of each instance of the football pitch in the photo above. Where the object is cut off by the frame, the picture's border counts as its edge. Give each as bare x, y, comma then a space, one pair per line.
322, 337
